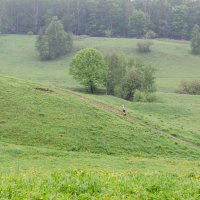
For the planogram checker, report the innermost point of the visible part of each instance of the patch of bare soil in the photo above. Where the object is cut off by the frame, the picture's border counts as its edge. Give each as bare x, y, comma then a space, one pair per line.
44, 89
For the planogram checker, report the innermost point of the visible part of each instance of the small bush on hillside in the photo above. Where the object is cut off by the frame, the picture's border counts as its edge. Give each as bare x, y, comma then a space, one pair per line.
140, 96
30, 33
150, 35
187, 87
108, 33
144, 46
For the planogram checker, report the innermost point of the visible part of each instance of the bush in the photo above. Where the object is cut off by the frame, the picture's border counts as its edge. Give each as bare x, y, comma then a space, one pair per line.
144, 46
140, 96
150, 35
187, 87
108, 33
30, 33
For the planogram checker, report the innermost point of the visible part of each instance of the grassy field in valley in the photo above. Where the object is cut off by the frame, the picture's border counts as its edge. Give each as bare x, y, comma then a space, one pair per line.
172, 59
57, 145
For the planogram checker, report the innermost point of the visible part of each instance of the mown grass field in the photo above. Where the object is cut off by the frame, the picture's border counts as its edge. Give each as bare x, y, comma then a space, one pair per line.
57, 145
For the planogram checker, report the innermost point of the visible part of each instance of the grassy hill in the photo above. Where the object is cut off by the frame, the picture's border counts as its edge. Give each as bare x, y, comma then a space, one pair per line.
58, 144
48, 135
58, 120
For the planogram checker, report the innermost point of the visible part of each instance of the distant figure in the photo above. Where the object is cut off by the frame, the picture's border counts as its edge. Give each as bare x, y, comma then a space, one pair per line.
123, 110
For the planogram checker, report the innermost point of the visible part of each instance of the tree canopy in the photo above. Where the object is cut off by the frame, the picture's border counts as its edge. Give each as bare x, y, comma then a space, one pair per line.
89, 68
125, 18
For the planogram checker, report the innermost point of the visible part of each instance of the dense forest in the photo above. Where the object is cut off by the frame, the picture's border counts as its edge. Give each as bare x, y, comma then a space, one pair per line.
111, 18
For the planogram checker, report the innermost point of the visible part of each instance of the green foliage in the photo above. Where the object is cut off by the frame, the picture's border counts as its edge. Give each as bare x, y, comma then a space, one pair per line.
29, 33
131, 81
116, 70
89, 68
140, 96
54, 41
85, 184
138, 78
108, 33
179, 25
125, 18
137, 23
195, 43
150, 34
192, 87
123, 80
144, 46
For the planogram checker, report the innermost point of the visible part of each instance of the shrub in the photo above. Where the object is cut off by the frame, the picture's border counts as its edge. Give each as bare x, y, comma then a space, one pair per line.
150, 35
30, 33
144, 46
108, 33
187, 87
140, 96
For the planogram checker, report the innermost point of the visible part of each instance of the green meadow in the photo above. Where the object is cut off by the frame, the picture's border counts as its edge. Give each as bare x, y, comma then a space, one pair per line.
171, 58
61, 144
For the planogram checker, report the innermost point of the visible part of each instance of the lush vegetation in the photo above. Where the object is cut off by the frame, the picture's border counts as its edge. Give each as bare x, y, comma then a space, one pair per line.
79, 184
125, 18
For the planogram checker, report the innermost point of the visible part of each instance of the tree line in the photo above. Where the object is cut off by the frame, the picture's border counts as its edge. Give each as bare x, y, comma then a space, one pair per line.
111, 18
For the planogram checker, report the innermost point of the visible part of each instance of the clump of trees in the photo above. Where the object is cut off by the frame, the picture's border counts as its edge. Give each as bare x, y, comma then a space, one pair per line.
120, 76
53, 41
126, 76
89, 68
189, 87
195, 43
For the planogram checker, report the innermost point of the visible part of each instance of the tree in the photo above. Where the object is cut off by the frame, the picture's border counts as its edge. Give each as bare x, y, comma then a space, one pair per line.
137, 23
195, 44
116, 71
89, 68
140, 78
54, 41
130, 83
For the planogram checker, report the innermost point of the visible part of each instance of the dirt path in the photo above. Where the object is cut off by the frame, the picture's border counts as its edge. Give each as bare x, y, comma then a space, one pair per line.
129, 118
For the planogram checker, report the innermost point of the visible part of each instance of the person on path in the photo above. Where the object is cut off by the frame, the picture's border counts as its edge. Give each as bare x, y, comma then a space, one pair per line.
123, 110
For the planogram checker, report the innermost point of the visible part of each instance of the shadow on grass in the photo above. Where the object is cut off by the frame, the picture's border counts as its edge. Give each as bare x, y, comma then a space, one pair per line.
87, 91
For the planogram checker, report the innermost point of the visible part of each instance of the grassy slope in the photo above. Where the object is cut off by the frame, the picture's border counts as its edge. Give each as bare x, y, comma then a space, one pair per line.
171, 58
45, 132
65, 122
173, 113
45, 135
